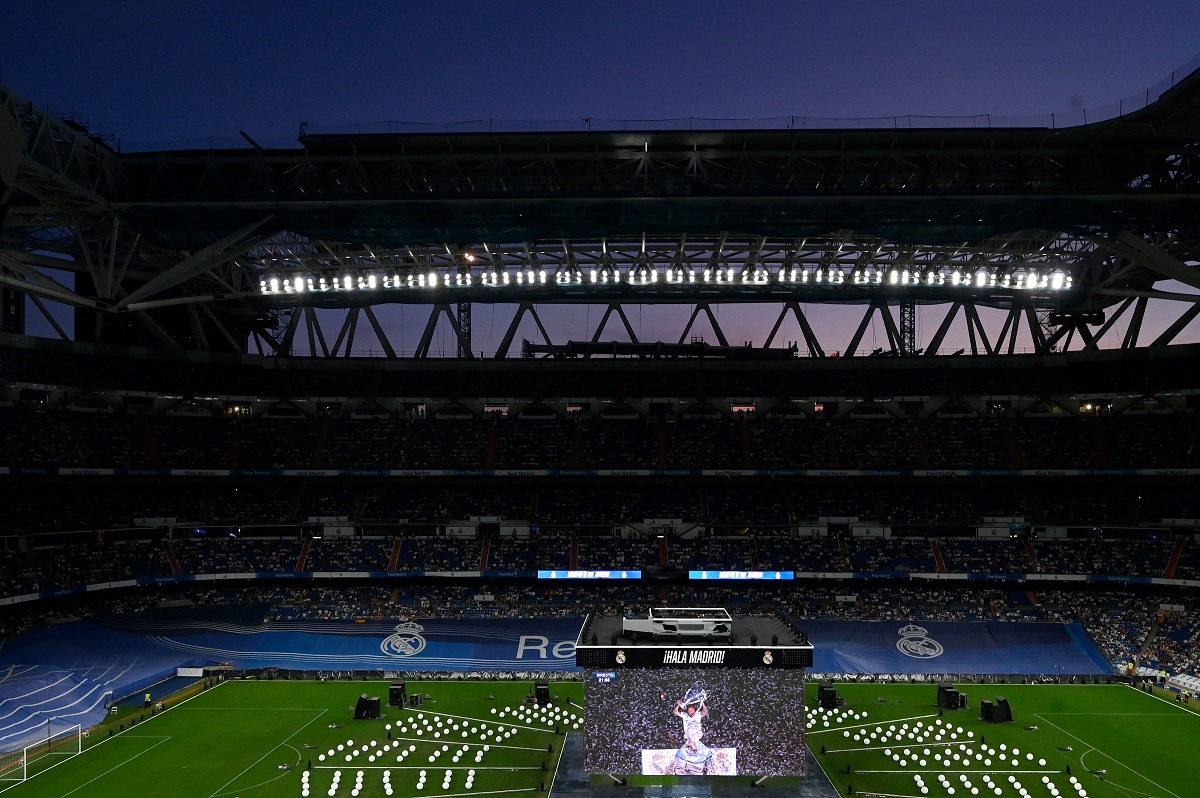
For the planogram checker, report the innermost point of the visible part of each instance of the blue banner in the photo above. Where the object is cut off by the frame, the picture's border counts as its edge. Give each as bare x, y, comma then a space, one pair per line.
952, 647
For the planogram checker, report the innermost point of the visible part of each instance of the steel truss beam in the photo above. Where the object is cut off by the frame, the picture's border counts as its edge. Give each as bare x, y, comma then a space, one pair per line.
1107, 209
684, 269
1017, 330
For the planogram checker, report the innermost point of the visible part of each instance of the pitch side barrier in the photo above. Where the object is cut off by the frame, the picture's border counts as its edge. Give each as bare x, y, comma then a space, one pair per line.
322, 576
28, 471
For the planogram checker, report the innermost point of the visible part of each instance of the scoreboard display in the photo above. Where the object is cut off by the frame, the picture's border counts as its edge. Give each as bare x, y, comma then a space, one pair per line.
695, 721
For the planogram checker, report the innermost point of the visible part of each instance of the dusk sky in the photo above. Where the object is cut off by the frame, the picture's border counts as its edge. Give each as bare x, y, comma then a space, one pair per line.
175, 73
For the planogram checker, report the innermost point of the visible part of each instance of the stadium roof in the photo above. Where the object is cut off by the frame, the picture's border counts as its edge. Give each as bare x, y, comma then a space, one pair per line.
201, 249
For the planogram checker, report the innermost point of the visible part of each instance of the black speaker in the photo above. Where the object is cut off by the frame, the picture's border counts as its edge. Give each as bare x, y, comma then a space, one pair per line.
986, 713
827, 696
367, 707
1003, 712
414, 700
541, 692
397, 694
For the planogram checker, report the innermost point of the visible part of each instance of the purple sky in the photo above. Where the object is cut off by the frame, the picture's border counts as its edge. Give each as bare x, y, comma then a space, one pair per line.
178, 72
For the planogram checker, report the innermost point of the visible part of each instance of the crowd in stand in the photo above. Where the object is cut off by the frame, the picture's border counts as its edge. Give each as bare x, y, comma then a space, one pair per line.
34, 506
101, 438
403, 525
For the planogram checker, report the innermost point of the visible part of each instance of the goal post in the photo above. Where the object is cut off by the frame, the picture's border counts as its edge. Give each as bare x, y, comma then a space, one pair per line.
13, 765
56, 744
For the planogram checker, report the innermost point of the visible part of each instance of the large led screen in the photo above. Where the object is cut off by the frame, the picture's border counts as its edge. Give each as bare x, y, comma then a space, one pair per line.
725, 722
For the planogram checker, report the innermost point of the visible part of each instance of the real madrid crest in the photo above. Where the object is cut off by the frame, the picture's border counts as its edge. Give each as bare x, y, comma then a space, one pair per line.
405, 641
767, 658
620, 657
915, 642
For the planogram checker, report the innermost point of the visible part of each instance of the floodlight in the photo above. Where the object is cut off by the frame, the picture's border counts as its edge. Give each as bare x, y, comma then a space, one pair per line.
680, 274
494, 276
606, 274
643, 274
569, 275
756, 273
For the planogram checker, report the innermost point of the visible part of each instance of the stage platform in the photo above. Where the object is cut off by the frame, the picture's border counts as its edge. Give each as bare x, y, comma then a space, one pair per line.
761, 629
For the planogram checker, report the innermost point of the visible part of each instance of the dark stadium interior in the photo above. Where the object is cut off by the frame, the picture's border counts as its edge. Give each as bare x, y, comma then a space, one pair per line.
228, 435
194, 484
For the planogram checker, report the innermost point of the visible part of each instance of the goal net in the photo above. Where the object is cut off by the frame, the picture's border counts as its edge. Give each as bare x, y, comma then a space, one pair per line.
55, 745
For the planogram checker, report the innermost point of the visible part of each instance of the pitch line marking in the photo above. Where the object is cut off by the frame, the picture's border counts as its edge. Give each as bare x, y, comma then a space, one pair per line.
114, 767
455, 744
993, 771
489, 792
899, 747
493, 721
419, 767
1114, 759
1184, 707
267, 709
119, 735
812, 731
220, 790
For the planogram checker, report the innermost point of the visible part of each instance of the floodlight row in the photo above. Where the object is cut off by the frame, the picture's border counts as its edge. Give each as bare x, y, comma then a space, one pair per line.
1023, 278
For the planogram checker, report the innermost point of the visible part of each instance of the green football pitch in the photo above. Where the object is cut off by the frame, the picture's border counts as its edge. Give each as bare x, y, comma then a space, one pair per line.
891, 735
234, 741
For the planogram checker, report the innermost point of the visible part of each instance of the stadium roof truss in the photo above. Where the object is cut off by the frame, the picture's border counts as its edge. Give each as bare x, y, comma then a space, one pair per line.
1067, 232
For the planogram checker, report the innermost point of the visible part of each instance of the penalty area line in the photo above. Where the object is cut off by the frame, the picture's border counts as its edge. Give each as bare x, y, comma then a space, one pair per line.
1102, 753
114, 767
119, 736
220, 790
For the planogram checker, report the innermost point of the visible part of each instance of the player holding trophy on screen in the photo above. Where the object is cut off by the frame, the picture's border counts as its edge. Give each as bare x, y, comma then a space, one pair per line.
693, 758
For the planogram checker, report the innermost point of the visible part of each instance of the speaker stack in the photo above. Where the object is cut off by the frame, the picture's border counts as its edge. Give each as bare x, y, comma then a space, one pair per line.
999, 712
367, 708
948, 697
